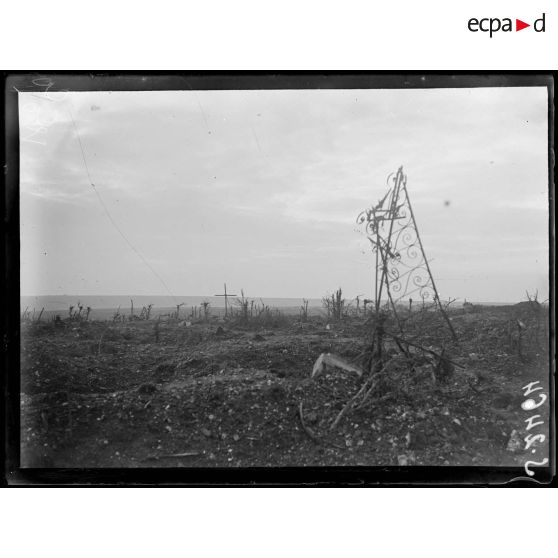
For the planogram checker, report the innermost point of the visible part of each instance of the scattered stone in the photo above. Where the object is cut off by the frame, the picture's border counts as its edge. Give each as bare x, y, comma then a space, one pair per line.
311, 417
402, 460
164, 371
147, 388
504, 400
418, 441
275, 392
515, 442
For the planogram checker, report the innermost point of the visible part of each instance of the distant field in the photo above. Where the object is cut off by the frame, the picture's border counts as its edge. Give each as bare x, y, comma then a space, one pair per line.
104, 307
102, 314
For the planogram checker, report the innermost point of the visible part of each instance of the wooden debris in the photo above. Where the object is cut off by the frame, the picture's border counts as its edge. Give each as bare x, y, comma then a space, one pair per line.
308, 431
366, 389
183, 454
173, 455
425, 349
329, 360
311, 433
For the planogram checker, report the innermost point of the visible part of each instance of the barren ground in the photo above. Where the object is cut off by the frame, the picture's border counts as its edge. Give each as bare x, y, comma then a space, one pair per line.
98, 394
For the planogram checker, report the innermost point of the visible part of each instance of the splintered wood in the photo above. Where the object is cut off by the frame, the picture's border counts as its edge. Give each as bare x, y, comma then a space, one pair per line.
330, 361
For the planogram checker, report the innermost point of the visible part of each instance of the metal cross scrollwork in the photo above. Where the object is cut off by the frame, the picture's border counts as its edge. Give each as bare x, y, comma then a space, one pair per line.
402, 269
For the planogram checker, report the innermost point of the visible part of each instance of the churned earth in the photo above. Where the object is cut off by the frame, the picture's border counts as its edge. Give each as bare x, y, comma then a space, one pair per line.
240, 394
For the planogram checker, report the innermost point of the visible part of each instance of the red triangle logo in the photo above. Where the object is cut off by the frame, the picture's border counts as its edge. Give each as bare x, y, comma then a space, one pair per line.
519, 25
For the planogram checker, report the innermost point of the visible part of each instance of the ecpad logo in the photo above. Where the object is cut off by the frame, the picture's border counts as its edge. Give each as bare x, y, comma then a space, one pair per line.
492, 25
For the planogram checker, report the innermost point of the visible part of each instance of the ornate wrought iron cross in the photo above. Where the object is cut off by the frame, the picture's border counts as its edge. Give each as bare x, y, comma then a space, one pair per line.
402, 269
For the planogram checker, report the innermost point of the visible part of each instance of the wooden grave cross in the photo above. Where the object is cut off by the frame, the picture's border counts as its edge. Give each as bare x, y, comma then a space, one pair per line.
226, 295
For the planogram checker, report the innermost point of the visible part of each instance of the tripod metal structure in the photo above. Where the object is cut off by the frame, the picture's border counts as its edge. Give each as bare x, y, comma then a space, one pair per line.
401, 270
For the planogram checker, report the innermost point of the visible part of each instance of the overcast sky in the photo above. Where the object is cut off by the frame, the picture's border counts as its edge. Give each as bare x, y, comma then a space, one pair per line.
261, 189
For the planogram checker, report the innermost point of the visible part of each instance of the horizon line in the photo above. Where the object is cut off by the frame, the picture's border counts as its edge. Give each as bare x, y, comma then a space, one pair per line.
246, 296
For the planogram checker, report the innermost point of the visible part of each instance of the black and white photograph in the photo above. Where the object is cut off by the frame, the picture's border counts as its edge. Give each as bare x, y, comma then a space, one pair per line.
278, 272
